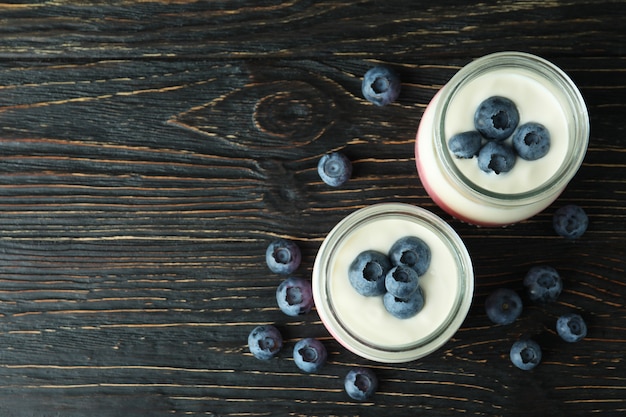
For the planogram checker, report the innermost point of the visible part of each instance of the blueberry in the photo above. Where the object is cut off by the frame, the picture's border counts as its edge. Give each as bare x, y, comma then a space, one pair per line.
531, 141
543, 283
525, 354
496, 118
309, 354
401, 281
265, 342
283, 256
496, 157
367, 273
571, 327
466, 144
404, 308
411, 251
381, 85
334, 169
361, 383
570, 221
503, 306
294, 296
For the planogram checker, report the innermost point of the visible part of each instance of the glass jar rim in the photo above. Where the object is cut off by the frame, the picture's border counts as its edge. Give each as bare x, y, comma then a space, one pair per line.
323, 298
578, 112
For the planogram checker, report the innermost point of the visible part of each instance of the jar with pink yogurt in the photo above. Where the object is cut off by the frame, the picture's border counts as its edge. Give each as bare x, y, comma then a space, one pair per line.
542, 93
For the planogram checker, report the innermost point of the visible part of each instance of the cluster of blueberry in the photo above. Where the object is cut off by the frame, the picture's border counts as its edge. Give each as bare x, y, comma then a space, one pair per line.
395, 275
495, 120
294, 297
381, 86
544, 285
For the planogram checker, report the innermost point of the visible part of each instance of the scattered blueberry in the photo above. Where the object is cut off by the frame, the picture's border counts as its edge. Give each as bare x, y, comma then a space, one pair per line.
401, 281
571, 327
466, 144
496, 118
367, 273
503, 306
411, 251
361, 383
404, 308
496, 157
283, 256
525, 354
531, 141
294, 296
309, 354
570, 221
381, 85
543, 283
334, 169
265, 342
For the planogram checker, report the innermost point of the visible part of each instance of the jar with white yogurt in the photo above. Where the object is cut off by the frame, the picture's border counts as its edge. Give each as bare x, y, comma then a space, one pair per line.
362, 324
544, 94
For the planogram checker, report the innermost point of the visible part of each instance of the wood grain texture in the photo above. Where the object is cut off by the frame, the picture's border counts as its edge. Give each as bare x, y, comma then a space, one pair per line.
151, 150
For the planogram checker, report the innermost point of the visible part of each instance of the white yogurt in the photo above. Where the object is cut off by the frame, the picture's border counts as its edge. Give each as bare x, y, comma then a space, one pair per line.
362, 324
536, 102
543, 94
366, 316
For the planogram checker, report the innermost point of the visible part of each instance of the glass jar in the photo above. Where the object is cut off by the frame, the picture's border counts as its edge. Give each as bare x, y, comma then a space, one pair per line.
362, 324
543, 93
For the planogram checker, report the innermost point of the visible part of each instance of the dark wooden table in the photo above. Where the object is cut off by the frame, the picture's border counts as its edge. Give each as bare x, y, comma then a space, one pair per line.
152, 150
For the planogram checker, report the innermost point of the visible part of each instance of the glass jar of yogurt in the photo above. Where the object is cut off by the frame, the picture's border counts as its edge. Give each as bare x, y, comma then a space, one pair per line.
542, 93
362, 324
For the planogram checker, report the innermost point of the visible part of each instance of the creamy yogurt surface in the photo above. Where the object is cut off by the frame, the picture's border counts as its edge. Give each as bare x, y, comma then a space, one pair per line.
366, 317
536, 101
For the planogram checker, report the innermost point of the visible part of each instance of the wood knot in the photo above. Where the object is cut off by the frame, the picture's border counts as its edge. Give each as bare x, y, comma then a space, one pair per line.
269, 115
292, 112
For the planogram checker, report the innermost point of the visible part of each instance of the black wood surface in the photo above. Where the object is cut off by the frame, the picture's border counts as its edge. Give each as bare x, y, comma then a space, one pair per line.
150, 151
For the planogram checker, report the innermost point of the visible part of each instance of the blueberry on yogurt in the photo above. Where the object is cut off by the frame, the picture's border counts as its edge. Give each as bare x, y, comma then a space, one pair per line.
531, 141
496, 157
367, 273
404, 308
294, 296
496, 118
411, 251
465, 145
401, 281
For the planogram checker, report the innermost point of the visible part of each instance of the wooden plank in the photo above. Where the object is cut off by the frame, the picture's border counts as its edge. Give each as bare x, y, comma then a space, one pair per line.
151, 151
247, 29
